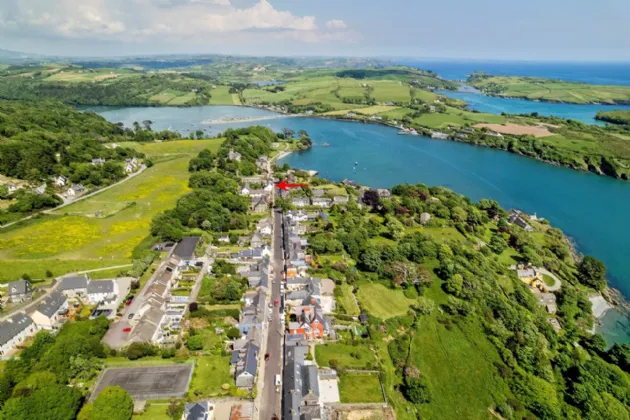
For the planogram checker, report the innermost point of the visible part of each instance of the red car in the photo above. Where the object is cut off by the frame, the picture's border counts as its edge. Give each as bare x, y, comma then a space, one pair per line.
275, 302
126, 330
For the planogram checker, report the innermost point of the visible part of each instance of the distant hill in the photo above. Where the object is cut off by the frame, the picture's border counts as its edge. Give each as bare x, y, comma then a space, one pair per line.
14, 54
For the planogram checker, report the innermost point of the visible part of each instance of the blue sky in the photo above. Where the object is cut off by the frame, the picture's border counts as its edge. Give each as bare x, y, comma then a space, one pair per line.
487, 29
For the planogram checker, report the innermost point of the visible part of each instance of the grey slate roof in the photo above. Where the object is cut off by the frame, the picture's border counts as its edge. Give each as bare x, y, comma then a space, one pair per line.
185, 249
197, 411
19, 287
74, 282
51, 304
13, 326
101, 286
293, 382
250, 359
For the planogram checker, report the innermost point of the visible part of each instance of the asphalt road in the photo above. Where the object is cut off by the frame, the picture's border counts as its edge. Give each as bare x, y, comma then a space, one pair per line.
270, 402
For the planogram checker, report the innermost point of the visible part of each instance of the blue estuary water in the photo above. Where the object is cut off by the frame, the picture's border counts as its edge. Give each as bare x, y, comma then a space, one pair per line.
592, 210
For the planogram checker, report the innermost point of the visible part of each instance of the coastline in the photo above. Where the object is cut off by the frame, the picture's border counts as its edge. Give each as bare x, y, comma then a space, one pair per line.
552, 101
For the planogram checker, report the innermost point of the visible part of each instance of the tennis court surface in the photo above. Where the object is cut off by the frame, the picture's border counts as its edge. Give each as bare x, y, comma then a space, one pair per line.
147, 382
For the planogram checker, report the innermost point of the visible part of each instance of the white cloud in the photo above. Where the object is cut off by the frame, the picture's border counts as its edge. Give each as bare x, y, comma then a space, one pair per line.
336, 24
193, 21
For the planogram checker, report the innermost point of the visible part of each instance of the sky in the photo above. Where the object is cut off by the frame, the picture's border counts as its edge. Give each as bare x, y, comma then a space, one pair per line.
534, 30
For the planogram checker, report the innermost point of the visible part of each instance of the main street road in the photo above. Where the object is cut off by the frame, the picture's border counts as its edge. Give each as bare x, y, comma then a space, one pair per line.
270, 402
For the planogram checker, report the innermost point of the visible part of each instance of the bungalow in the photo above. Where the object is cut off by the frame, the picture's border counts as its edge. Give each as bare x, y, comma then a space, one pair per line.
20, 291
516, 219
351, 115
198, 411
75, 190
129, 167
61, 180
340, 199
11, 188
300, 201
245, 189
14, 331
102, 290
322, 202
74, 286
98, 161
48, 312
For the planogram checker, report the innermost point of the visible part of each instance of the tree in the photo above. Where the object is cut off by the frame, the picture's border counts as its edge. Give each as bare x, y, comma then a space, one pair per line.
113, 403
370, 259
454, 284
591, 272
395, 228
416, 389
175, 409
195, 343
233, 333
87, 412
57, 402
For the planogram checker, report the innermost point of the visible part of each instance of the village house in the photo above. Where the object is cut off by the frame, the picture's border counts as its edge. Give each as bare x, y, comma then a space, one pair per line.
129, 168
102, 290
322, 202
515, 218
20, 291
264, 227
439, 135
75, 190
262, 162
245, 363
234, 156
198, 411
383, 193
300, 388
319, 192
74, 287
40, 190
340, 199
61, 181
256, 240
149, 327
14, 331
546, 300
258, 205
300, 201
50, 310
98, 161
252, 179
310, 321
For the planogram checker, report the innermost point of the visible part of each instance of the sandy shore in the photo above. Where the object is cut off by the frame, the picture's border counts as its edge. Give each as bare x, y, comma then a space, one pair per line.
600, 305
250, 119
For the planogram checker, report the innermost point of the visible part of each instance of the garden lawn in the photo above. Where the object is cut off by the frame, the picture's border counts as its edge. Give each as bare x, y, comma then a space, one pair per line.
340, 352
360, 388
347, 301
459, 364
382, 302
210, 373
154, 412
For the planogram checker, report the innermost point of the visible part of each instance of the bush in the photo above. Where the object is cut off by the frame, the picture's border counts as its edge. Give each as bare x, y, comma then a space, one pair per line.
195, 343
233, 333
113, 403
138, 350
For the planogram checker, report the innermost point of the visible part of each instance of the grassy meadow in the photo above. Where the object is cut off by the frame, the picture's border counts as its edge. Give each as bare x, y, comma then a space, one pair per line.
103, 230
534, 88
382, 302
360, 388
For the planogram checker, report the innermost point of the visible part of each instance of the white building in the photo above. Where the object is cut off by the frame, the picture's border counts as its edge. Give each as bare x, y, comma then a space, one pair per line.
102, 290
49, 311
74, 286
14, 331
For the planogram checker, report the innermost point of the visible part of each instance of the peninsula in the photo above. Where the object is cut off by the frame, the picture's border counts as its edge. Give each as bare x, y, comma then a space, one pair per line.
549, 90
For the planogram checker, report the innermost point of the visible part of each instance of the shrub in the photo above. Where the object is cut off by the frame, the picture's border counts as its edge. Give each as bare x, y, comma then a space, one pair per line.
195, 343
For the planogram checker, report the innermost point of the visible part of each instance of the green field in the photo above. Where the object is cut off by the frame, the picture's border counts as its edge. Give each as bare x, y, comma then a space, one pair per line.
458, 363
178, 147
534, 88
210, 374
382, 302
347, 301
360, 388
102, 230
340, 352
155, 411
615, 117
222, 96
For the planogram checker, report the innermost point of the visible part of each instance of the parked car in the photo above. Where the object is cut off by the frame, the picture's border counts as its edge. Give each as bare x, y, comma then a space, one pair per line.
126, 330
130, 316
266, 356
275, 302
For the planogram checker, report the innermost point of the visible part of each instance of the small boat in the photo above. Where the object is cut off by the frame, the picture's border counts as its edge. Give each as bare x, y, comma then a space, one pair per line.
356, 163
326, 144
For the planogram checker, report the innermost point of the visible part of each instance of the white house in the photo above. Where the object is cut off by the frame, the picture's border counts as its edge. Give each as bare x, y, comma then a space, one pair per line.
264, 227
245, 190
14, 331
102, 290
129, 167
60, 181
48, 312
11, 188
75, 190
74, 286
20, 291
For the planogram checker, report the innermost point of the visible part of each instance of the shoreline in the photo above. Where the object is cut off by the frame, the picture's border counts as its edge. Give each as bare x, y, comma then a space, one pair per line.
552, 101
